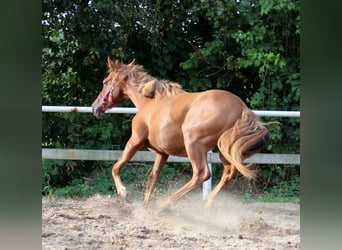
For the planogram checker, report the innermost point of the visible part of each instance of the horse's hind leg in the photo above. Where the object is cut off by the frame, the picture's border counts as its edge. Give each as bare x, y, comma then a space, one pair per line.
228, 173
153, 177
200, 173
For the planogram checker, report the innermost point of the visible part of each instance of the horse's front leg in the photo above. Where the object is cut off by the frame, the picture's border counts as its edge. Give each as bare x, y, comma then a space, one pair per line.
153, 177
132, 146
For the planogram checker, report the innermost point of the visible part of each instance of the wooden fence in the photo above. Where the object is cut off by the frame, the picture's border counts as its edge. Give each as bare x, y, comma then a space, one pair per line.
147, 156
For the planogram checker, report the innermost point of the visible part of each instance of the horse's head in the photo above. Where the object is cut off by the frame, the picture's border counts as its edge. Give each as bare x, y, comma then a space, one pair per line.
112, 91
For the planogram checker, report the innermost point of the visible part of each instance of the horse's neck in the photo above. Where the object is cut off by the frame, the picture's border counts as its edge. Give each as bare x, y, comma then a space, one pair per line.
136, 97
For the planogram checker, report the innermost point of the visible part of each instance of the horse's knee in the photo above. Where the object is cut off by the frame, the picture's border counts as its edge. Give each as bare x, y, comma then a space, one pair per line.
116, 170
206, 175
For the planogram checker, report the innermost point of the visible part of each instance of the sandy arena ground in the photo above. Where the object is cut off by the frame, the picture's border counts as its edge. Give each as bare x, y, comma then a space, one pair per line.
101, 222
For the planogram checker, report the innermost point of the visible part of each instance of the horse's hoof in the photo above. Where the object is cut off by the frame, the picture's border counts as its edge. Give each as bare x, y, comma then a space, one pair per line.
127, 199
166, 208
164, 211
122, 192
208, 206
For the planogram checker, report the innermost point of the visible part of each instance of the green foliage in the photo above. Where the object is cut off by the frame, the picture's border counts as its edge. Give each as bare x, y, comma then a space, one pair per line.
277, 183
250, 48
77, 187
274, 183
101, 181
283, 191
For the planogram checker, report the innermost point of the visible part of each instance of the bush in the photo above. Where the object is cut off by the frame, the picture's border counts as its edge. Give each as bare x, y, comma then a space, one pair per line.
134, 175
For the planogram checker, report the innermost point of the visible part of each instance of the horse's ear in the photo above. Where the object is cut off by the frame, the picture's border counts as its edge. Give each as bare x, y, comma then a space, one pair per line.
149, 89
112, 65
131, 63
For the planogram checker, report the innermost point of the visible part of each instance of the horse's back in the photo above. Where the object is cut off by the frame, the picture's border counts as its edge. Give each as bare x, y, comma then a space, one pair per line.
219, 106
206, 100
221, 97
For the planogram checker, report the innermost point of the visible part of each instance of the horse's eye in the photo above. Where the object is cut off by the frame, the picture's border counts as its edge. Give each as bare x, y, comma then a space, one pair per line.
105, 81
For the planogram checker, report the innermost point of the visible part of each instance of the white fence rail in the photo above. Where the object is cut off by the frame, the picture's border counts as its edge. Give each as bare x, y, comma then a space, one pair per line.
272, 113
141, 156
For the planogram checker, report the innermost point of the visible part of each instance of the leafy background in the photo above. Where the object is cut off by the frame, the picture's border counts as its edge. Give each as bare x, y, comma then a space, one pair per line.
250, 48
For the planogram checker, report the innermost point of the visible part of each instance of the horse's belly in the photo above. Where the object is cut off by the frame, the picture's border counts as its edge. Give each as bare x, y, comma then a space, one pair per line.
169, 151
176, 152
167, 142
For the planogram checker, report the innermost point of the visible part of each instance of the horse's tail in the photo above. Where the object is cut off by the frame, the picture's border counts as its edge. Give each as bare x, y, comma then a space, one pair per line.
247, 137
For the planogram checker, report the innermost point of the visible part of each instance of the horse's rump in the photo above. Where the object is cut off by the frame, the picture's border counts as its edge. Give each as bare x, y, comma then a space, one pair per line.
247, 137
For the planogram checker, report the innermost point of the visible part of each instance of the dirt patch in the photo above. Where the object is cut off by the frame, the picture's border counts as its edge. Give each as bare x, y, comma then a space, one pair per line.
107, 223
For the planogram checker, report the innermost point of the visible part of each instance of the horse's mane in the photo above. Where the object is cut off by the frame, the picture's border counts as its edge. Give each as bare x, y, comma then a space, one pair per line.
148, 85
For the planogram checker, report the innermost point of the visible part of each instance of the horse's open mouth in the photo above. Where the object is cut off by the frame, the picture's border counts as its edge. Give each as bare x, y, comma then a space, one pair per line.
99, 110
98, 113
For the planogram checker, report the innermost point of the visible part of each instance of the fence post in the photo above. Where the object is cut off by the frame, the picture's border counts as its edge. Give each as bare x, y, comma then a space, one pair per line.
207, 184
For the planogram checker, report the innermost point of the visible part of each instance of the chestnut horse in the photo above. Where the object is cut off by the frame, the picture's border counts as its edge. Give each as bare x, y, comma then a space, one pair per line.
171, 121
